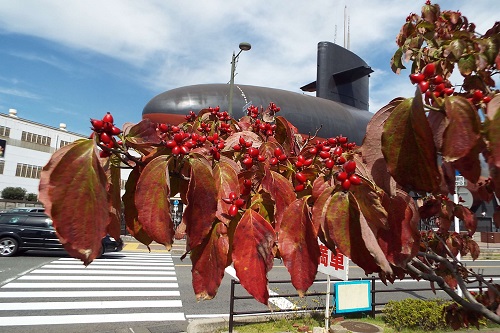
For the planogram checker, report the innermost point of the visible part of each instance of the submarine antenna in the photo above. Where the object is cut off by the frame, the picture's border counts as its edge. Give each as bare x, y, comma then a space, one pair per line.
335, 35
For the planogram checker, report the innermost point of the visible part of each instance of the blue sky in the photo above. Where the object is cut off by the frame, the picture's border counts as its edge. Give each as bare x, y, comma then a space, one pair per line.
65, 62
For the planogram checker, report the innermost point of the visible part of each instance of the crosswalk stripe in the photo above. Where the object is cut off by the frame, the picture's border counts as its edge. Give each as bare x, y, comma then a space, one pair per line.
89, 293
101, 271
40, 285
108, 267
110, 260
90, 305
86, 319
96, 277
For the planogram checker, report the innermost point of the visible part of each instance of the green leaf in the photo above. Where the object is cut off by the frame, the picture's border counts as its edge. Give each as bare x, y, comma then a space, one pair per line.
253, 244
397, 61
201, 204
209, 259
298, 245
467, 64
457, 47
463, 130
282, 192
74, 175
407, 130
152, 200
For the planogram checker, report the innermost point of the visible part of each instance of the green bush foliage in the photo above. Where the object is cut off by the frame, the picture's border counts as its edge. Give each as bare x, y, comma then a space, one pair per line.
416, 314
13, 193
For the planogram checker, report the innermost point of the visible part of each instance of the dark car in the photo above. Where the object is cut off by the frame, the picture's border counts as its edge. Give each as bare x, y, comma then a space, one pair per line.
22, 231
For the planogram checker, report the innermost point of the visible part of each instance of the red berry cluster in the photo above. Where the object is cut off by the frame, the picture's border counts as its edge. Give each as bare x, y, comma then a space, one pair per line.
247, 187
217, 145
477, 96
252, 155
106, 130
191, 117
348, 177
263, 127
279, 157
301, 179
180, 142
236, 203
253, 112
274, 108
432, 85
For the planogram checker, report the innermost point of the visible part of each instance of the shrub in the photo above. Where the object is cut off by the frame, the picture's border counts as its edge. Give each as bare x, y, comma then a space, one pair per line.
13, 193
31, 197
416, 314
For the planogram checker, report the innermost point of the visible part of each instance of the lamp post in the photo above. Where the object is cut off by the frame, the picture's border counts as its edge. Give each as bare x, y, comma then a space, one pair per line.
243, 47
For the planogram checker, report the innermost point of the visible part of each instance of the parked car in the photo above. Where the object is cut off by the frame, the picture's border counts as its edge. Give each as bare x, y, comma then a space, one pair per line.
24, 209
23, 231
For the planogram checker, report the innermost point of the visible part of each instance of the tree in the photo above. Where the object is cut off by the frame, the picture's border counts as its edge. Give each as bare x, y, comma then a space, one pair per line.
255, 189
31, 197
13, 193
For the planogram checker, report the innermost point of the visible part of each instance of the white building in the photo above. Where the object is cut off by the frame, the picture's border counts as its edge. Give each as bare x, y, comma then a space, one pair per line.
25, 148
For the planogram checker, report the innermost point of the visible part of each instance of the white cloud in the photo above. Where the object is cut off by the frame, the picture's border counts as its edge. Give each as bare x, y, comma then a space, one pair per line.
19, 93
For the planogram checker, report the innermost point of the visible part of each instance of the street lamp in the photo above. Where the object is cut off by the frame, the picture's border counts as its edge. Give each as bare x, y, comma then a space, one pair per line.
243, 47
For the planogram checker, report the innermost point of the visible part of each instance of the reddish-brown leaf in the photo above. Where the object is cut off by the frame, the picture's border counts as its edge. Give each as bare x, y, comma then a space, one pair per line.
463, 130
470, 165
493, 130
370, 206
152, 199
201, 203
372, 148
253, 243
282, 192
470, 220
407, 130
226, 181
209, 259
320, 207
115, 208
130, 210
75, 175
142, 135
285, 134
342, 226
318, 187
438, 123
401, 241
298, 245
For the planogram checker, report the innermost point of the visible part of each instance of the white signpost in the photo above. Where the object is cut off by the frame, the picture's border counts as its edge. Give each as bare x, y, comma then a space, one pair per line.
331, 264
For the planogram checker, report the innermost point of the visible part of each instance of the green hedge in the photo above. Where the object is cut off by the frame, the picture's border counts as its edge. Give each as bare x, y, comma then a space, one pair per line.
416, 314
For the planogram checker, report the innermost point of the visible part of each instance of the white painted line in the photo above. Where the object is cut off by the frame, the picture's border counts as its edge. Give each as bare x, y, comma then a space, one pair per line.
89, 293
86, 319
225, 316
137, 254
97, 277
125, 260
101, 271
280, 302
58, 285
90, 305
107, 267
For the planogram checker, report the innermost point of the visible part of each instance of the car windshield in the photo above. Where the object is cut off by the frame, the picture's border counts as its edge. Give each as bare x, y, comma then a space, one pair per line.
25, 209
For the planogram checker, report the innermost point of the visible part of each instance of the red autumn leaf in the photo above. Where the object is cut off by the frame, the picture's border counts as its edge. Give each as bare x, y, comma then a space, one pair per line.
130, 210
298, 245
209, 260
75, 175
201, 205
470, 165
115, 208
401, 241
493, 130
342, 225
282, 192
470, 220
370, 205
463, 130
142, 135
371, 149
438, 123
407, 129
318, 186
152, 200
320, 207
226, 181
285, 133
253, 243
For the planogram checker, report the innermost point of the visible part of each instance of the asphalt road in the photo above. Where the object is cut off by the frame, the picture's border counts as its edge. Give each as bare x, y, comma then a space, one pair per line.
165, 300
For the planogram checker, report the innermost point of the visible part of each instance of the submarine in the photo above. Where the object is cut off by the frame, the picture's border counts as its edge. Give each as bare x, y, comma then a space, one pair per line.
340, 106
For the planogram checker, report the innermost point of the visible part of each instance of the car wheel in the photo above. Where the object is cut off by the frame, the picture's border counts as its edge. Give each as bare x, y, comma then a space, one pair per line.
8, 247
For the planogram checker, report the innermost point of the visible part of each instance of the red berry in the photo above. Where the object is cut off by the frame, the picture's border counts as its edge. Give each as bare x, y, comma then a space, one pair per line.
341, 176
184, 150
354, 179
273, 161
233, 211
237, 148
313, 151
438, 79
332, 141
163, 128
416, 78
486, 99
239, 202
247, 183
329, 163
429, 70
448, 91
175, 129
282, 157
97, 124
178, 137
301, 158
261, 158
300, 187
346, 184
278, 152
171, 144
104, 154
477, 95
300, 177
248, 162
232, 196
115, 130
105, 138
424, 86
176, 150
342, 139
324, 154
341, 160
254, 152
308, 162
338, 151
350, 166
108, 118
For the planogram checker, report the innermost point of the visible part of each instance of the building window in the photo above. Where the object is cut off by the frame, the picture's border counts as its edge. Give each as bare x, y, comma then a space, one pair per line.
28, 171
35, 138
64, 143
2, 164
4, 131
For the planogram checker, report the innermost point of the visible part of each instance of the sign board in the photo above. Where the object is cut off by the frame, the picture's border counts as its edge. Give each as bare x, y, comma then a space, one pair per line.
353, 296
336, 265
466, 197
460, 181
